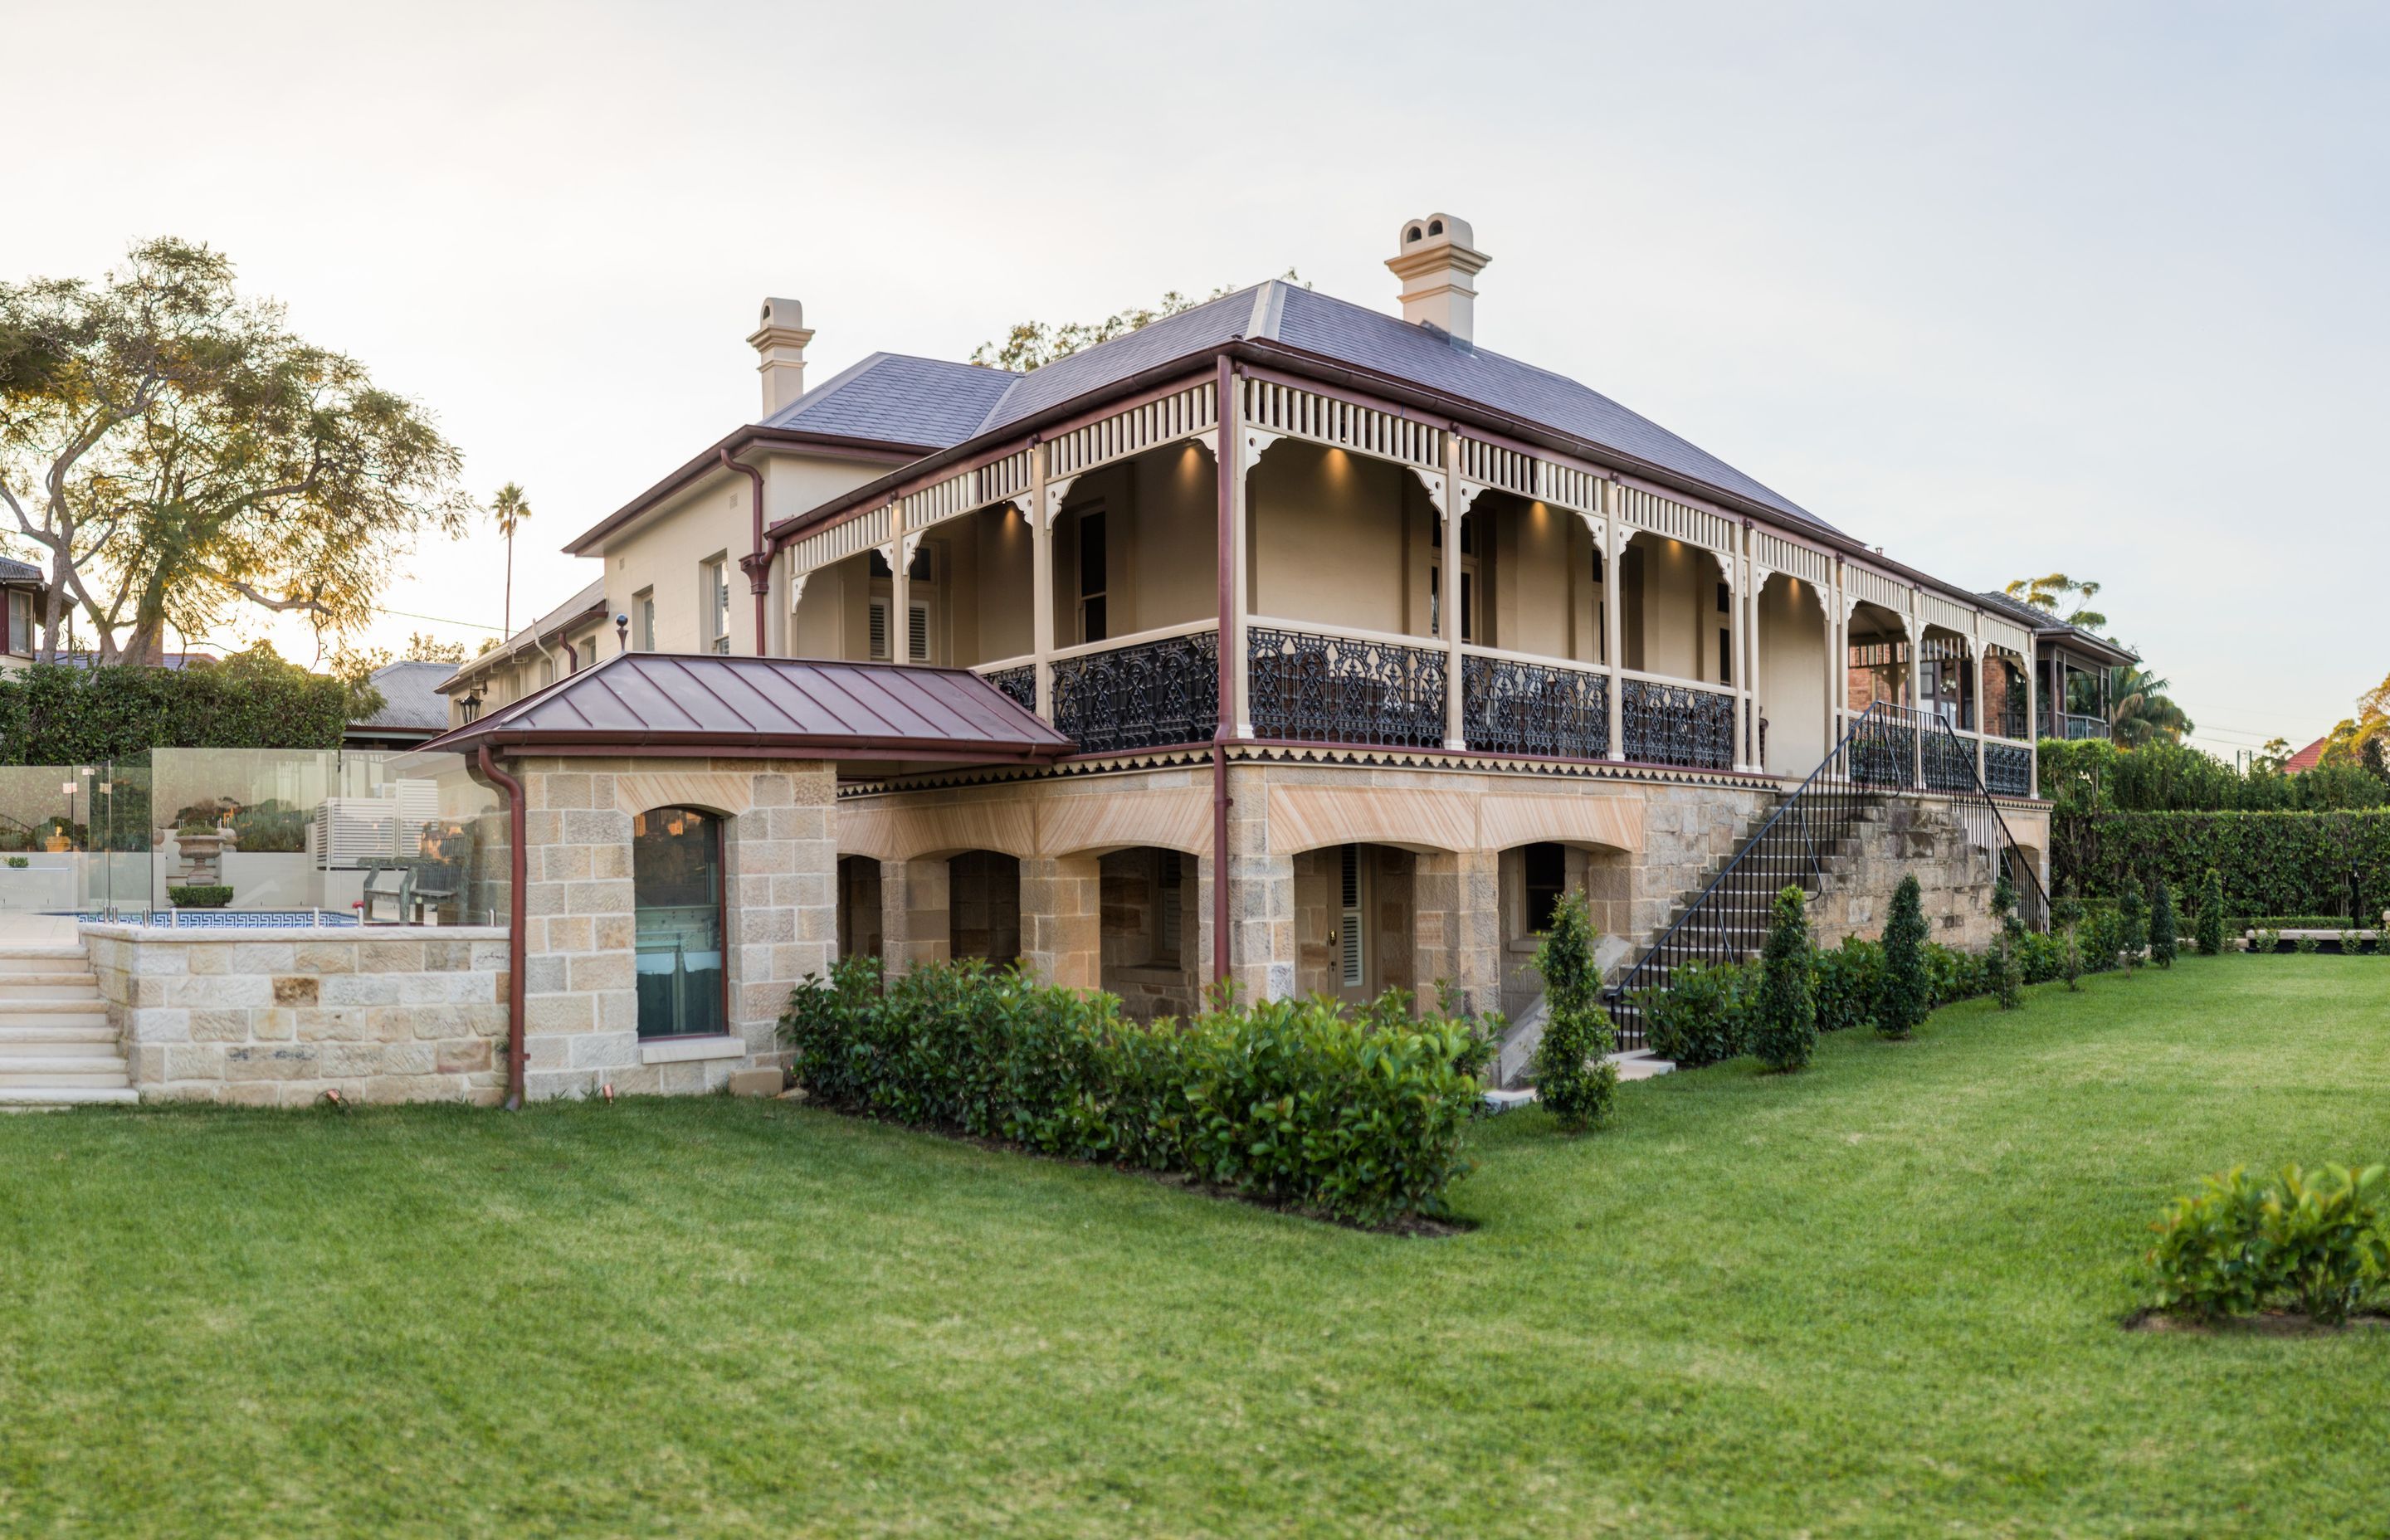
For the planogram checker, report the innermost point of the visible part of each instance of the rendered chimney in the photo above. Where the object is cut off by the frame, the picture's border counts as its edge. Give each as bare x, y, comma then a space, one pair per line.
1436, 261
780, 341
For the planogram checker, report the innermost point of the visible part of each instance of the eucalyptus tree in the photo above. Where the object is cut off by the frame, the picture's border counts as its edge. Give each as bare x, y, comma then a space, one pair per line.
176, 454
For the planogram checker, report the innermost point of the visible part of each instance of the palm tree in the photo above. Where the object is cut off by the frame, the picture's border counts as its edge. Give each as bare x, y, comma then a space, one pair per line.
2142, 713
509, 508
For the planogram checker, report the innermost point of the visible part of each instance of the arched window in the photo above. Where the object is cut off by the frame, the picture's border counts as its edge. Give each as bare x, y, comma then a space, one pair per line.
676, 924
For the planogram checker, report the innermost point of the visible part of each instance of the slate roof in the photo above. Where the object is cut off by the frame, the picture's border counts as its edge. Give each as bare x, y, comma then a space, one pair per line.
591, 597
900, 398
664, 702
2042, 623
924, 400
410, 698
13, 571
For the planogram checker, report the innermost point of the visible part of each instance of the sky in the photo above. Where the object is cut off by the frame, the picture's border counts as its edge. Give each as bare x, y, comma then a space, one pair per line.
2096, 289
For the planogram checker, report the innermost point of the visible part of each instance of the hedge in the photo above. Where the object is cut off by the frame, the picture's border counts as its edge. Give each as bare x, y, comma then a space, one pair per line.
2272, 862
1299, 1102
58, 714
2094, 775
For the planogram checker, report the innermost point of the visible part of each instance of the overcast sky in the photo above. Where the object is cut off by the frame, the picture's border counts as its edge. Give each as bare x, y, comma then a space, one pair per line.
2005, 289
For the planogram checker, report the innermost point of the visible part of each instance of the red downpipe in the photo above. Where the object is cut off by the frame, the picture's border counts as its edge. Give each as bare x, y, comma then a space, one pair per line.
519, 877
757, 562
572, 655
1224, 460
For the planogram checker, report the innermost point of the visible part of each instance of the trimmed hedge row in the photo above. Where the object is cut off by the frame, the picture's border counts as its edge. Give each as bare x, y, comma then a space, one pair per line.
2094, 775
1300, 1102
2272, 862
58, 714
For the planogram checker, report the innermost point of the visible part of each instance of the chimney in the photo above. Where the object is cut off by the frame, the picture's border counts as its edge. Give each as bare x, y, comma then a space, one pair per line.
1436, 261
780, 341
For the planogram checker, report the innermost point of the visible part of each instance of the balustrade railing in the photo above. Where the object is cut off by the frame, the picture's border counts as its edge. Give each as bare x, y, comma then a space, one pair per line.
1949, 758
1312, 687
1019, 682
1513, 706
2074, 726
1672, 724
1140, 695
2007, 769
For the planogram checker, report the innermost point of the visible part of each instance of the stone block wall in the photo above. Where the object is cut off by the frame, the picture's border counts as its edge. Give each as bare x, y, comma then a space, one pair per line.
581, 1006
275, 1017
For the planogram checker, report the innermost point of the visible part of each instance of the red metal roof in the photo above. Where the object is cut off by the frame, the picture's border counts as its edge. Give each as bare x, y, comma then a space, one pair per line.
685, 705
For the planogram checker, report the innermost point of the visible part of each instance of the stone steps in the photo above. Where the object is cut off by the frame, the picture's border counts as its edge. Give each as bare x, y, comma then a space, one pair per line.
56, 1049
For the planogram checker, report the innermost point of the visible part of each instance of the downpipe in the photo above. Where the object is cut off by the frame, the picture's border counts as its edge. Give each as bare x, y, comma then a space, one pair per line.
518, 879
757, 562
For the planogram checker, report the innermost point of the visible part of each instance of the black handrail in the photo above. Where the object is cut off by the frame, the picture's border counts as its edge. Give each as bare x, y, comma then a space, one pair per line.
2033, 900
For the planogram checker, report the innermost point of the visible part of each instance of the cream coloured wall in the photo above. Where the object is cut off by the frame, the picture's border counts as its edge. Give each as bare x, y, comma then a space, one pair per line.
1793, 676
1324, 538
1542, 579
1678, 612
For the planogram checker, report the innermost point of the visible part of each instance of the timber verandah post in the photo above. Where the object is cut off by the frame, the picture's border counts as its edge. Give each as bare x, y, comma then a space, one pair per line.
1448, 613
1227, 475
1613, 588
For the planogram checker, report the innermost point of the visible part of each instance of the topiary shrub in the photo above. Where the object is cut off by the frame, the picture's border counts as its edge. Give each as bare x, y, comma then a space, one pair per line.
1850, 984
2005, 964
1703, 1015
2264, 941
1573, 1075
2211, 914
2164, 941
1784, 1031
2132, 928
200, 895
1907, 993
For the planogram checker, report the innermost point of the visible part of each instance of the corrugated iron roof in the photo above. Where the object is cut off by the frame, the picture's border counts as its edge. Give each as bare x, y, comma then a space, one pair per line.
682, 703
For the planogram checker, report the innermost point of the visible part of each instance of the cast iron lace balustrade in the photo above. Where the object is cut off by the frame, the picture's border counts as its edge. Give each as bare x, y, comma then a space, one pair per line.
1950, 760
1142, 696
1728, 923
2007, 769
1021, 684
1676, 724
1513, 708
1311, 688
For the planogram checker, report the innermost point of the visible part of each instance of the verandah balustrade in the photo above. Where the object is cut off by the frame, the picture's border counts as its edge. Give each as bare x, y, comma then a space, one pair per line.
1509, 706
1140, 695
1311, 687
1664, 722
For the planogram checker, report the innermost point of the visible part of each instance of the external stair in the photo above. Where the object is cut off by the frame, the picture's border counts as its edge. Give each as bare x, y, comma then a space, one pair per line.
56, 1049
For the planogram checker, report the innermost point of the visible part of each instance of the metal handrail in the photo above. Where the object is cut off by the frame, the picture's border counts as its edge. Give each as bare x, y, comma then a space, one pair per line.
2010, 853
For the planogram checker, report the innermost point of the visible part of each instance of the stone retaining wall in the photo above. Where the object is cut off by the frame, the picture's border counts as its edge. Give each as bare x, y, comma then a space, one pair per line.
276, 1015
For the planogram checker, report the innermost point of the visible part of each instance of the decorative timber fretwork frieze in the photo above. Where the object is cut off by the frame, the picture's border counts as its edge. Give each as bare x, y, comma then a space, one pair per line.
850, 537
1873, 587
1294, 413
1179, 415
1643, 510
1775, 554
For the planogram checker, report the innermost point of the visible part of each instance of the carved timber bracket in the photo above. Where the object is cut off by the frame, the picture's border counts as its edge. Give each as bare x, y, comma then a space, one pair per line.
1056, 489
1254, 444
1432, 481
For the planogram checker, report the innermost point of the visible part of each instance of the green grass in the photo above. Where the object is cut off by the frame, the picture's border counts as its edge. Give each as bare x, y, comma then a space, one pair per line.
1878, 1298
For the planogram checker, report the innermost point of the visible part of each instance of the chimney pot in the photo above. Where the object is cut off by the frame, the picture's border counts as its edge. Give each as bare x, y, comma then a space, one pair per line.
1435, 259
779, 341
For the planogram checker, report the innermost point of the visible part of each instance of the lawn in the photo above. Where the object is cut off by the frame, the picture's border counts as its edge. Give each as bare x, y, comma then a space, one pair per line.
1882, 1297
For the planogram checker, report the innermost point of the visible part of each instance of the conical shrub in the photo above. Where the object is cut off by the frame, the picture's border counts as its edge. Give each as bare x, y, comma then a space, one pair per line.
1907, 987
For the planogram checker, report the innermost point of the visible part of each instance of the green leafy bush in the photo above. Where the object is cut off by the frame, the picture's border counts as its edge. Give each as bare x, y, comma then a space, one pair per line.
2211, 914
1908, 992
2093, 776
1850, 984
2318, 1242
1703, 1015
2264, 941
2164, 938
1302, 1102
273, 827
2004, 965
58, 714
1573, 1077
2307, 946
1784, 1031
2133, 929
2267, 862
200, 895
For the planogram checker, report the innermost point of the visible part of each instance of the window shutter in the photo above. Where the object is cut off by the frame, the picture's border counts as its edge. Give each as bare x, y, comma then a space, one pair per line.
917, 640
879, 628
1349, 893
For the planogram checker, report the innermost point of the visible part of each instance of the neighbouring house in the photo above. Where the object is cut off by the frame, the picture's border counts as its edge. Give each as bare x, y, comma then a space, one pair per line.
412, 707
1285, 641
2072, 677
2307, 758
21, 589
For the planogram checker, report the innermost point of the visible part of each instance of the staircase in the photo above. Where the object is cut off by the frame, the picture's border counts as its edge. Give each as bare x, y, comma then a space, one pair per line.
56, 1049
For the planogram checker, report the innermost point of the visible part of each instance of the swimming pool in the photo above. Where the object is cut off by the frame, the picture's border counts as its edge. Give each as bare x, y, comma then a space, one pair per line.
240, 918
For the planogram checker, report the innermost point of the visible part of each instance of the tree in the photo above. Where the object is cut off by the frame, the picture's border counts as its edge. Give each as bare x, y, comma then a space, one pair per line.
1034, 344
2142, 713
2164, 938
2132, 928
176, 453
1573, 1075
2211, 914
421, 647
2066, 912
2062, 595
1908, 988
1786, 1032
509, 508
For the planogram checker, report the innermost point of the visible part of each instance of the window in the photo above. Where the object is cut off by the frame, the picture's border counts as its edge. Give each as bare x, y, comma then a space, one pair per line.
1726, 655
920, 640
676, 922
643, 619
1351, 964
1546, 879
21, 622
1092, 588
1165, 911
713, 592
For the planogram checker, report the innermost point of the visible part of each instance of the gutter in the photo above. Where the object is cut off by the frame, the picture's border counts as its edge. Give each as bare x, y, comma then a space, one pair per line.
517, 879
757, 562
826, 446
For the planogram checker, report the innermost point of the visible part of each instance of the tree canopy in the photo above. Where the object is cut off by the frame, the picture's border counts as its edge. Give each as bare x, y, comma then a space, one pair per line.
1034, 344
176, 453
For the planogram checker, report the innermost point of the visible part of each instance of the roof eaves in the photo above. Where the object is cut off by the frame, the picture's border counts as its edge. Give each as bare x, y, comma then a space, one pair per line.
837, 446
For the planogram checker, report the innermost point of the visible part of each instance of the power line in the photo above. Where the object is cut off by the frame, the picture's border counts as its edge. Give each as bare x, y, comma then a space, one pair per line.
440, 620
